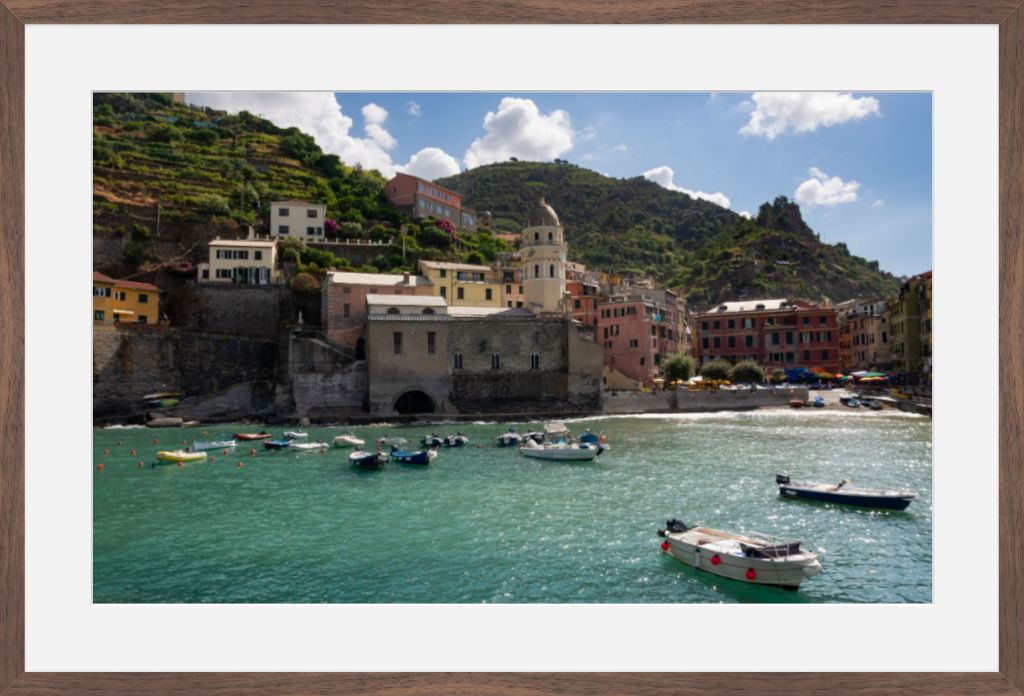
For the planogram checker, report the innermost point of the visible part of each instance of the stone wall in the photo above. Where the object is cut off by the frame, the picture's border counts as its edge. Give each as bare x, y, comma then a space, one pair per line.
129, 362
684, 401
243, 310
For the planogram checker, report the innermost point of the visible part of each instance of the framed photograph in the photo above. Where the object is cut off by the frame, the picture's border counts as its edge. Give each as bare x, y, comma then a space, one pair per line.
511, 357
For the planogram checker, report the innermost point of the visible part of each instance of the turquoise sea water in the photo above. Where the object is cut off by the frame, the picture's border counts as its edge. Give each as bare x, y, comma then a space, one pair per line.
487, 525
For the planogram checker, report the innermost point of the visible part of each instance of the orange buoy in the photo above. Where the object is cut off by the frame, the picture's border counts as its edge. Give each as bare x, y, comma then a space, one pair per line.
252, 452
100, 466
225, 451
132, 453
204, 433
141, 464
181, 464
239, 465
213, 459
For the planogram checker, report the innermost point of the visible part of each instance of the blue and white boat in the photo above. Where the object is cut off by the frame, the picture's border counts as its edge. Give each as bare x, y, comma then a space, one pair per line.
277, 444
200, 446
432, 440
422, 457
510, 438
456, 440
844, 494
367, 460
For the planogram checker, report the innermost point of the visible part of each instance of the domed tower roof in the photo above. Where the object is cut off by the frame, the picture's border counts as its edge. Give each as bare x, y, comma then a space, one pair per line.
543, 215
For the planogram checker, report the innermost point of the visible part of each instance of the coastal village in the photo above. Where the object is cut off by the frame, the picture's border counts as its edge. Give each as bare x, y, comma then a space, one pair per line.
533, 333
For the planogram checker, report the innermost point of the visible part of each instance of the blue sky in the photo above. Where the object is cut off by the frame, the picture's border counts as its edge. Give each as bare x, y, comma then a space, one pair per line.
859, 164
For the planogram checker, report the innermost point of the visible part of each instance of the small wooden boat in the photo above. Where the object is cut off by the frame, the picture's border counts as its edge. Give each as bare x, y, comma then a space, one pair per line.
180, 456
421, 457
844, 494
295, 435
367, 460
310, 446
753, 558
277, 444
561, 452
200, 446
348, 441
253, 436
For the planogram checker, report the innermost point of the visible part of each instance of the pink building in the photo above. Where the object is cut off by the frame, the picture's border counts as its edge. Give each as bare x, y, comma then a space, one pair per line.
639, 330
343, 302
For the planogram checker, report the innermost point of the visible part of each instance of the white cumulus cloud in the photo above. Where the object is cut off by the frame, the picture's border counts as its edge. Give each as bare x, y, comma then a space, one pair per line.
431, 163
665, 176
320, 115
518, 129
776, 113
821, 189
413, 109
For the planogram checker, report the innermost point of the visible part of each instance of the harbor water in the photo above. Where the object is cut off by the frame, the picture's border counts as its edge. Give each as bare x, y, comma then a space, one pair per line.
488, 525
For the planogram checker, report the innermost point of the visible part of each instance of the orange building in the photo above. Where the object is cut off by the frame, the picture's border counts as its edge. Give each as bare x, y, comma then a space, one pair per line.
422, 198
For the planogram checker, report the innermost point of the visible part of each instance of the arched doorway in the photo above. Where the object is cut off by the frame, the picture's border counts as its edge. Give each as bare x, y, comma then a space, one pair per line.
414, 402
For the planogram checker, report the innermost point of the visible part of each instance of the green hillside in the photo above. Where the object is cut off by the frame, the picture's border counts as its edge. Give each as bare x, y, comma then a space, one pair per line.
636, 226
217, 173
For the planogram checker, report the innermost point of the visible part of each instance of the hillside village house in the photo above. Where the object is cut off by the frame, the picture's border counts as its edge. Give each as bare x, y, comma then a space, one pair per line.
343, 307
464, 284
639, 329
422, 198
240, 261
776, 333
863, 335
298, 220
123, 301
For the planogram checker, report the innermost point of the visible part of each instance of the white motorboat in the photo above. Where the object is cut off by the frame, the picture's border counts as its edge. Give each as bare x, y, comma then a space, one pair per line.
348, 440
199, 446
560, 452
310, 446
510, 438
754, 559
556, 432
295, 435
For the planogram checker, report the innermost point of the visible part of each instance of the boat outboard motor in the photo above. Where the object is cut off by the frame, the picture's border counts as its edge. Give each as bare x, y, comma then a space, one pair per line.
779, 478
675, 526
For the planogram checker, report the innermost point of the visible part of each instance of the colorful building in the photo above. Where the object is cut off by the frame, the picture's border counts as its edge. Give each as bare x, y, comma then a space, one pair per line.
422, 198
863, 335
343, 306
464, 284
123, 301
240, 261
542, 254
298, 220
908, 315
638, 331
777, 333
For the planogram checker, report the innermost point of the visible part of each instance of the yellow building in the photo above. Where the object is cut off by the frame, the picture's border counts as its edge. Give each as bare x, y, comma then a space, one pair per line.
464, 284
123, 301
240, 261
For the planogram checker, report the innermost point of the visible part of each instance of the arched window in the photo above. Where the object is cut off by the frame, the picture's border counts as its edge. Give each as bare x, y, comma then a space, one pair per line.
428, 310
457, 361
535, 361
536, 236
551, 270
495, 361
393, 310
536, 270
550, 236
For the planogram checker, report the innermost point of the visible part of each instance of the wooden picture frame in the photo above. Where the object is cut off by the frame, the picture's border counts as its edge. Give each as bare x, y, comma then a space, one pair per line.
15, 14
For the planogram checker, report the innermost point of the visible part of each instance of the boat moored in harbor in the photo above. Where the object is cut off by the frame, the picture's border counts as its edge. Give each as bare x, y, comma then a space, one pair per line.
751, 558
277, 444
348, 440
844, 494
253, 436
456, 440
180, 456
367, 460
295, 434
510, 438
561, 452
422, 457
200, 446
310, 446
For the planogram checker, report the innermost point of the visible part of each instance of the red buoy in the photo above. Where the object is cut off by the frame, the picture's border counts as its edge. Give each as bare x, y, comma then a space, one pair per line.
239, 465
225, 451
252, 452
141, 464
100, 466
715, 560
751, 574
664, 546
213, 459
